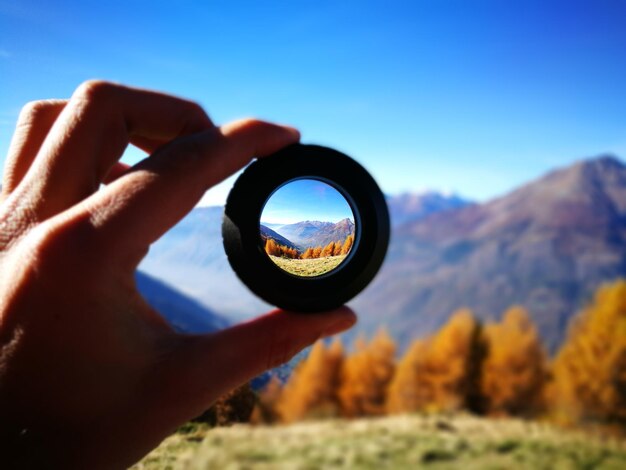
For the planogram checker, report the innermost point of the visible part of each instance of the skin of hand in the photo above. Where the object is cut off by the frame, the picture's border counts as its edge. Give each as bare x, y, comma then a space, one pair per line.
90, 375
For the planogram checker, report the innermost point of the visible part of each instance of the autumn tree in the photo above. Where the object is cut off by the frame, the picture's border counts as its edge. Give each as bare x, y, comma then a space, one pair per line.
265, 409
288, 252
514, 372
235, 406
590, 369
347, 245
308, 253
317, 252
437, 374
337, 249
366, 375
328, 250
271, 247
312, 388
405, 393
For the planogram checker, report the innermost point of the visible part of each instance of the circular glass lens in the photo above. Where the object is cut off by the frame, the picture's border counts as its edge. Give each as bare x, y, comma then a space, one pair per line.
307, 228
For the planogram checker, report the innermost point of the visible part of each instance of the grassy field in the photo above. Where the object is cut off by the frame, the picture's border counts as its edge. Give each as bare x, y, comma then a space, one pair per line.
308, 267
399, 442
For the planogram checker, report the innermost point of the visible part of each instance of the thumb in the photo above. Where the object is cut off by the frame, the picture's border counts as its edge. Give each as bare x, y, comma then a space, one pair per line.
207, 366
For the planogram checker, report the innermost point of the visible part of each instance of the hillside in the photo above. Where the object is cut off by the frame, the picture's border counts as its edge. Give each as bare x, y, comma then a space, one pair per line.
191, 257
546, 246
267, 232
396, 442
184, 314
315, 233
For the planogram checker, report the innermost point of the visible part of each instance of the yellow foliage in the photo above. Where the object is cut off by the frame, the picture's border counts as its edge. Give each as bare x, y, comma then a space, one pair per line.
366, 375
328, 250
347, 245
312, 388
265, 409
590, 369
405, 392
514, 371
435, 375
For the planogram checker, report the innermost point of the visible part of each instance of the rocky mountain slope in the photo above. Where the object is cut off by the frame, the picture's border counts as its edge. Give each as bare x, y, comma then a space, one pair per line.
183, 313
267, 232
309, 234
547, 246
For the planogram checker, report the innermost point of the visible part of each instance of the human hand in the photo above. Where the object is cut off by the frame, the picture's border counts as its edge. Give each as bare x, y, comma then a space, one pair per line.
90, 375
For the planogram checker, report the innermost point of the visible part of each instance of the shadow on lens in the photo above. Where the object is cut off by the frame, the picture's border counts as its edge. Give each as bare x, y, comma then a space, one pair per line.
307, 228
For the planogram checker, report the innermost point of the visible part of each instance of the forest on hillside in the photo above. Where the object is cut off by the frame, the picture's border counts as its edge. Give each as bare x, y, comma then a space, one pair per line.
336, 248
434, 403
493, 369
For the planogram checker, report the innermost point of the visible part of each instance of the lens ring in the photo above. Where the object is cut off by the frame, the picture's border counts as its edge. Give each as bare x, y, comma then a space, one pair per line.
244, 206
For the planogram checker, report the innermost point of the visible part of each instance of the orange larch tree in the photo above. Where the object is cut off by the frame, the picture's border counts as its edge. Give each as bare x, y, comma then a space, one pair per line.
405, 394
366, 375
271, 248
438, 374
328, 250
515, 369
347, 245
311, 391
589, 372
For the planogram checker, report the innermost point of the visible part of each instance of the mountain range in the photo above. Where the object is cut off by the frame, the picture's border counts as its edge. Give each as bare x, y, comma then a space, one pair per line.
314, 233
546, 245
409, 207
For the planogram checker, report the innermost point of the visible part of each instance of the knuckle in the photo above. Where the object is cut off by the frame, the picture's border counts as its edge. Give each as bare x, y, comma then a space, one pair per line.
96, 91
34, 111
195, 118
249, 123
64, 242
183, 156
196, 110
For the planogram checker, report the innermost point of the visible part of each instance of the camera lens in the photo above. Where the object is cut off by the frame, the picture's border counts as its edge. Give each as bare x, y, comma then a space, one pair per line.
307, 228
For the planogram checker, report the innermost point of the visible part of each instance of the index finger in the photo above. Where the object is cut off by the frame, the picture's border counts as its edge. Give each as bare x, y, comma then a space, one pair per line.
136, 209
90, 135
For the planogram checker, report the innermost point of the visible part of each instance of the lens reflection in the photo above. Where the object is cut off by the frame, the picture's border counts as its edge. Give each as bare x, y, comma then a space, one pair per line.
307, 228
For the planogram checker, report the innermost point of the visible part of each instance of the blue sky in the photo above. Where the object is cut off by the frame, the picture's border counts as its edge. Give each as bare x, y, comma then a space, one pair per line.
474, 97
306, 199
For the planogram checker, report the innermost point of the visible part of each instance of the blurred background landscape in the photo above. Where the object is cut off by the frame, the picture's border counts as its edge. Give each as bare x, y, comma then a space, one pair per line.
497, 131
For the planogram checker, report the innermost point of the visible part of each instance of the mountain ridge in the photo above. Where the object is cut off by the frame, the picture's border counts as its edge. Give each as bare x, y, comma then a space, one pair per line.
311, 234
268, 233
546, 245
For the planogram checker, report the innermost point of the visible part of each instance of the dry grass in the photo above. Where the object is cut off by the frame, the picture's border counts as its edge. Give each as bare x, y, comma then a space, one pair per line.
399, 442
308, 267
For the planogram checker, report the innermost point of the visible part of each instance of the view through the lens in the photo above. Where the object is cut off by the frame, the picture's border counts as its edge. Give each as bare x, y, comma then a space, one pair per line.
307, 228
